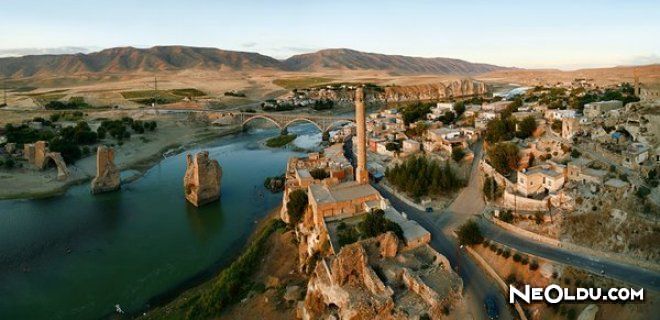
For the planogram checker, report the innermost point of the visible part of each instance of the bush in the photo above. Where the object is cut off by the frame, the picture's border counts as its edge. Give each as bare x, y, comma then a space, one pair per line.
534, 265
511, 279
504, 157
493, 247
458, 154
506, 216
499, 251
517, 257
486, 243
469, 233
506, 253
296, 205
524, 261
319, 174
9, 163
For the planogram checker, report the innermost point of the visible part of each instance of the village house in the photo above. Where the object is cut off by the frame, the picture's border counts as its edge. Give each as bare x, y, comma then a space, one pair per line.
540, 179
599, 109
439, 110
498, 106
448, 139
635, 154
556, 114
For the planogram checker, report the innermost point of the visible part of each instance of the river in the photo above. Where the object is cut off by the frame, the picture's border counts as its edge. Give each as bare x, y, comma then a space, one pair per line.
75, 256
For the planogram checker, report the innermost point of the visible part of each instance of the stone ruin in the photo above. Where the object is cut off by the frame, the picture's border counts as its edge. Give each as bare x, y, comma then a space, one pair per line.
107, 175
201, 183
372, 279
37, 154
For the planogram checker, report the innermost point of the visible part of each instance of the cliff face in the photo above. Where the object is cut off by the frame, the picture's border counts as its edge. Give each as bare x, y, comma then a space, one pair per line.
454, 89
107, 174
202, 180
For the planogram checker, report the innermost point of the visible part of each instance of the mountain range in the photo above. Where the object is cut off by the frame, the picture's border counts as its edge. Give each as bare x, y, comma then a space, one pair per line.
124, 60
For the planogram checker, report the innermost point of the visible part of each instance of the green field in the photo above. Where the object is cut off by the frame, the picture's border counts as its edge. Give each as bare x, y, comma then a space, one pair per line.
293, 83
164, 96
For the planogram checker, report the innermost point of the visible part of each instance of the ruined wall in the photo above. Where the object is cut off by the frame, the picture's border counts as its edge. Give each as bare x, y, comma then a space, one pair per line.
107, 175
201, 182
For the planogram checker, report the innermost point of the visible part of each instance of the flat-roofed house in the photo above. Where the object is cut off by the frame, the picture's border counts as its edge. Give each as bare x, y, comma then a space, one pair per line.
540, 179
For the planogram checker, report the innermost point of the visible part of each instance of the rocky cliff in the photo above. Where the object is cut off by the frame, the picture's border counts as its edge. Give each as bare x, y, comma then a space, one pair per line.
107, 175
201, 182
437, 91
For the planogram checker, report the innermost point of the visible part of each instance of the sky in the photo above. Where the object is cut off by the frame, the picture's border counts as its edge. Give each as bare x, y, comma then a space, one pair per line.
529, 34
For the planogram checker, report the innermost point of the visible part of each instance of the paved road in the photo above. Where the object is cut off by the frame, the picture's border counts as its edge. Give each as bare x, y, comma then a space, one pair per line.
477, 285
627, 273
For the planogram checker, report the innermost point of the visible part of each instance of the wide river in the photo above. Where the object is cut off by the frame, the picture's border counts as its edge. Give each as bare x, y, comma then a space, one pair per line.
75, 256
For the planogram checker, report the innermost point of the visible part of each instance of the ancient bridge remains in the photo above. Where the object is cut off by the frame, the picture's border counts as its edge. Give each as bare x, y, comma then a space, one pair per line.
281, 120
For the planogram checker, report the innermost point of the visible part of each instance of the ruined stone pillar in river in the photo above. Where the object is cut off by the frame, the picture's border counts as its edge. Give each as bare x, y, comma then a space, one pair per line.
107, 175
201, 183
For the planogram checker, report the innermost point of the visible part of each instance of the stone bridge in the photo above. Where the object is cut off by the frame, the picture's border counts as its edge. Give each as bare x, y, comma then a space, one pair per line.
283, 120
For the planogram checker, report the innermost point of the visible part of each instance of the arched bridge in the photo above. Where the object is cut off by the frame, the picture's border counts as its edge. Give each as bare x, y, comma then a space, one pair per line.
282, 121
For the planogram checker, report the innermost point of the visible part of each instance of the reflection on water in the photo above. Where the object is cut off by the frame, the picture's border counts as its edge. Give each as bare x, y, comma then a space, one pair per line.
75, 256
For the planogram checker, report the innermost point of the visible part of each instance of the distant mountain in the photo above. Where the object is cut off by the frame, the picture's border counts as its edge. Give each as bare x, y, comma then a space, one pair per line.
129, 60
177, 58
332, 59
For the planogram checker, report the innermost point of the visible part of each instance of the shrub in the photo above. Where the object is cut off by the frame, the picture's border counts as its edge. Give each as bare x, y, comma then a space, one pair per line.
296, 205
517, 257
506, 253
525, 260
319, 174
534, 265
499, 251
493, 247
506, 216
511, 279
469, 233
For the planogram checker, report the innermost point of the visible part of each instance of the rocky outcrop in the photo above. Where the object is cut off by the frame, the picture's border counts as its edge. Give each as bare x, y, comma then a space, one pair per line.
371, 279
107, 175
436, 91
202, 180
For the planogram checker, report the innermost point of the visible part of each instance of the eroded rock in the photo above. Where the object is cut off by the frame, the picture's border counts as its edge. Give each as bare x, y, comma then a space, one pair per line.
107, 175
202, 180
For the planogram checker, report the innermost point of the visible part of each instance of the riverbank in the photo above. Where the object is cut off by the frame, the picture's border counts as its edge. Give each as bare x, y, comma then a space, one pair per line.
244, 278
139, 153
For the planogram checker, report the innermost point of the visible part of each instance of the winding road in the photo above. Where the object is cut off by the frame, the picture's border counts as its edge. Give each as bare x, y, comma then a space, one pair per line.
470, 204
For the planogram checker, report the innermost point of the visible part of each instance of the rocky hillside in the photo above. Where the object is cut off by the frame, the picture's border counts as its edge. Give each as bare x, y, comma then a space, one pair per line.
125, 60
129, 60
346, 59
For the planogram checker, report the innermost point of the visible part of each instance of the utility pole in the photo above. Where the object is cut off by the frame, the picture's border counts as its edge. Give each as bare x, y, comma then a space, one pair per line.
4, 90
155, 92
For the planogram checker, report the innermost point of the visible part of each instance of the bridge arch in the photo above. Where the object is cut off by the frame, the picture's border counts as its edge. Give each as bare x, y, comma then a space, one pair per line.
303, 120
261, 116
338, 121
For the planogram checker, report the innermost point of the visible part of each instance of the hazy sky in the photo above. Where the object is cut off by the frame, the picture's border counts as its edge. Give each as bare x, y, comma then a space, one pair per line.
564, 34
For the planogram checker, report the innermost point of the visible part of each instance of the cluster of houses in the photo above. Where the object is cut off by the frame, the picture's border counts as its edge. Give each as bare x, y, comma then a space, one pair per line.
387, 134
613, 144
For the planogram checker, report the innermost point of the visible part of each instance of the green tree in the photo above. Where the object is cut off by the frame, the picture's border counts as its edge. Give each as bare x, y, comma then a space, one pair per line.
319, 174
469, 233
296, 205
504, 157
526, 127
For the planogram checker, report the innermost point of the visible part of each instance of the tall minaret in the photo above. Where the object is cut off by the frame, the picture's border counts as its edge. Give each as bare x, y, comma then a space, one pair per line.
361, 173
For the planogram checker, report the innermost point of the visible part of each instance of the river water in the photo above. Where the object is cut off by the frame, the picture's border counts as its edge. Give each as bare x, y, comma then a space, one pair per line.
75, 256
